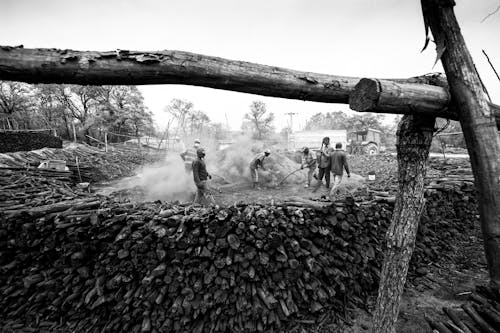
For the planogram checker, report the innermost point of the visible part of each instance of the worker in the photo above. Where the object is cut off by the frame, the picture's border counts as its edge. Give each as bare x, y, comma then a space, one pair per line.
200, 176
178, 146
338, 163
323, 159
308, 161
189, 156
258, 161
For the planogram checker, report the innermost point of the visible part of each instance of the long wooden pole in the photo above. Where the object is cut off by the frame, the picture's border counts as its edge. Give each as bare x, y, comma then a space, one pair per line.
169, 67
477, 120
178, 67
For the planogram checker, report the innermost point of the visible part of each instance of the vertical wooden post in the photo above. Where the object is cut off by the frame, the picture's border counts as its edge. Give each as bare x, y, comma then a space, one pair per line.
414, 139
477, 119
106, 142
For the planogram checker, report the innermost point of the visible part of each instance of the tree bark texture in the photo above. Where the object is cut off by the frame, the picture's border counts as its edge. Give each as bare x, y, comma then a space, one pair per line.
177, 67
477, 120
414, 139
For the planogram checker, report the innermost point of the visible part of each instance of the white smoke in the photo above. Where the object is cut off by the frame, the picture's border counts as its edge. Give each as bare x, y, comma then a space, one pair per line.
166, 180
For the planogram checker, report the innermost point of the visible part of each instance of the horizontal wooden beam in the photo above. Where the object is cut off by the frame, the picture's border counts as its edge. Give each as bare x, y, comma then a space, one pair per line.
169, 67
407, 97
374, 95
121, 67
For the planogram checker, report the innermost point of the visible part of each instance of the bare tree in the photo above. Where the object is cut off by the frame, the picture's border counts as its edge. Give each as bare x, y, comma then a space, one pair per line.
260, 120
180, 109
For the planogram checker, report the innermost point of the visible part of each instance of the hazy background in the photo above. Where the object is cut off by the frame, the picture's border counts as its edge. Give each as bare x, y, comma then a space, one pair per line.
365, 38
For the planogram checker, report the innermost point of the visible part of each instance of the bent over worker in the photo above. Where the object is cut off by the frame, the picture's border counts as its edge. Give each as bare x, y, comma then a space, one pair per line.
308, 161
189, 156
200, 176
256, 162
338, 164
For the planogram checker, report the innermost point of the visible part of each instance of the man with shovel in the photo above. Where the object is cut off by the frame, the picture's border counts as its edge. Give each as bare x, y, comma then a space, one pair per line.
256, 162
308, 161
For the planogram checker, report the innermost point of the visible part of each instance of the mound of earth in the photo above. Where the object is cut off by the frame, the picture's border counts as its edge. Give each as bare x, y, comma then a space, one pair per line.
233, 163
348, 186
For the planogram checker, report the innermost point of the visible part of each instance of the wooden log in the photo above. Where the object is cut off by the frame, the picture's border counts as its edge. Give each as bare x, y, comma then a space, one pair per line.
122, 67
400, 97
169, 67
477, 119
454, 317
414, 139
373, 95
437, 325
485, 327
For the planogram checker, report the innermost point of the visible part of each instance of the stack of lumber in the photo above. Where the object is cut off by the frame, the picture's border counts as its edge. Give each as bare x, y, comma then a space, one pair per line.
480, 315
93, 164
29, 188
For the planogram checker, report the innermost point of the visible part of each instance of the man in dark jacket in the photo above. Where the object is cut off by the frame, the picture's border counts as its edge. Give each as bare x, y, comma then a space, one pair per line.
338, 164
323, 157
201, 176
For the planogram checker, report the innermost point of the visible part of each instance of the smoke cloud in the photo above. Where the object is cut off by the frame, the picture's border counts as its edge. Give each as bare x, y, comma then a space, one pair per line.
168, 181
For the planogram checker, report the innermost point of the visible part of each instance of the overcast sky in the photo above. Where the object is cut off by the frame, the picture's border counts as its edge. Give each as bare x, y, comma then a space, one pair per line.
362, 38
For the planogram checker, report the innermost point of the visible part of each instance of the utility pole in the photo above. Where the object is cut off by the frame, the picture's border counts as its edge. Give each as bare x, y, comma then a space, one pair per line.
291, 114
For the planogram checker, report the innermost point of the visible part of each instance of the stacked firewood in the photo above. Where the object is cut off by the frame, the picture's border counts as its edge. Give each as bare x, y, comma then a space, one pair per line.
24, 188
480, 315
450, 223
95, 264
85, 163
118, 267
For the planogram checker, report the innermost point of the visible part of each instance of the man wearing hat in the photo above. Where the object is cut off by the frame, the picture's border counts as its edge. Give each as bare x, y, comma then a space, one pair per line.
189, 156
200, 176
308, 161
256, 162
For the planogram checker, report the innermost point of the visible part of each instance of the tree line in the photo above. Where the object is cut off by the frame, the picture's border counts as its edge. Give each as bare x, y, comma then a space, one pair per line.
92, 110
